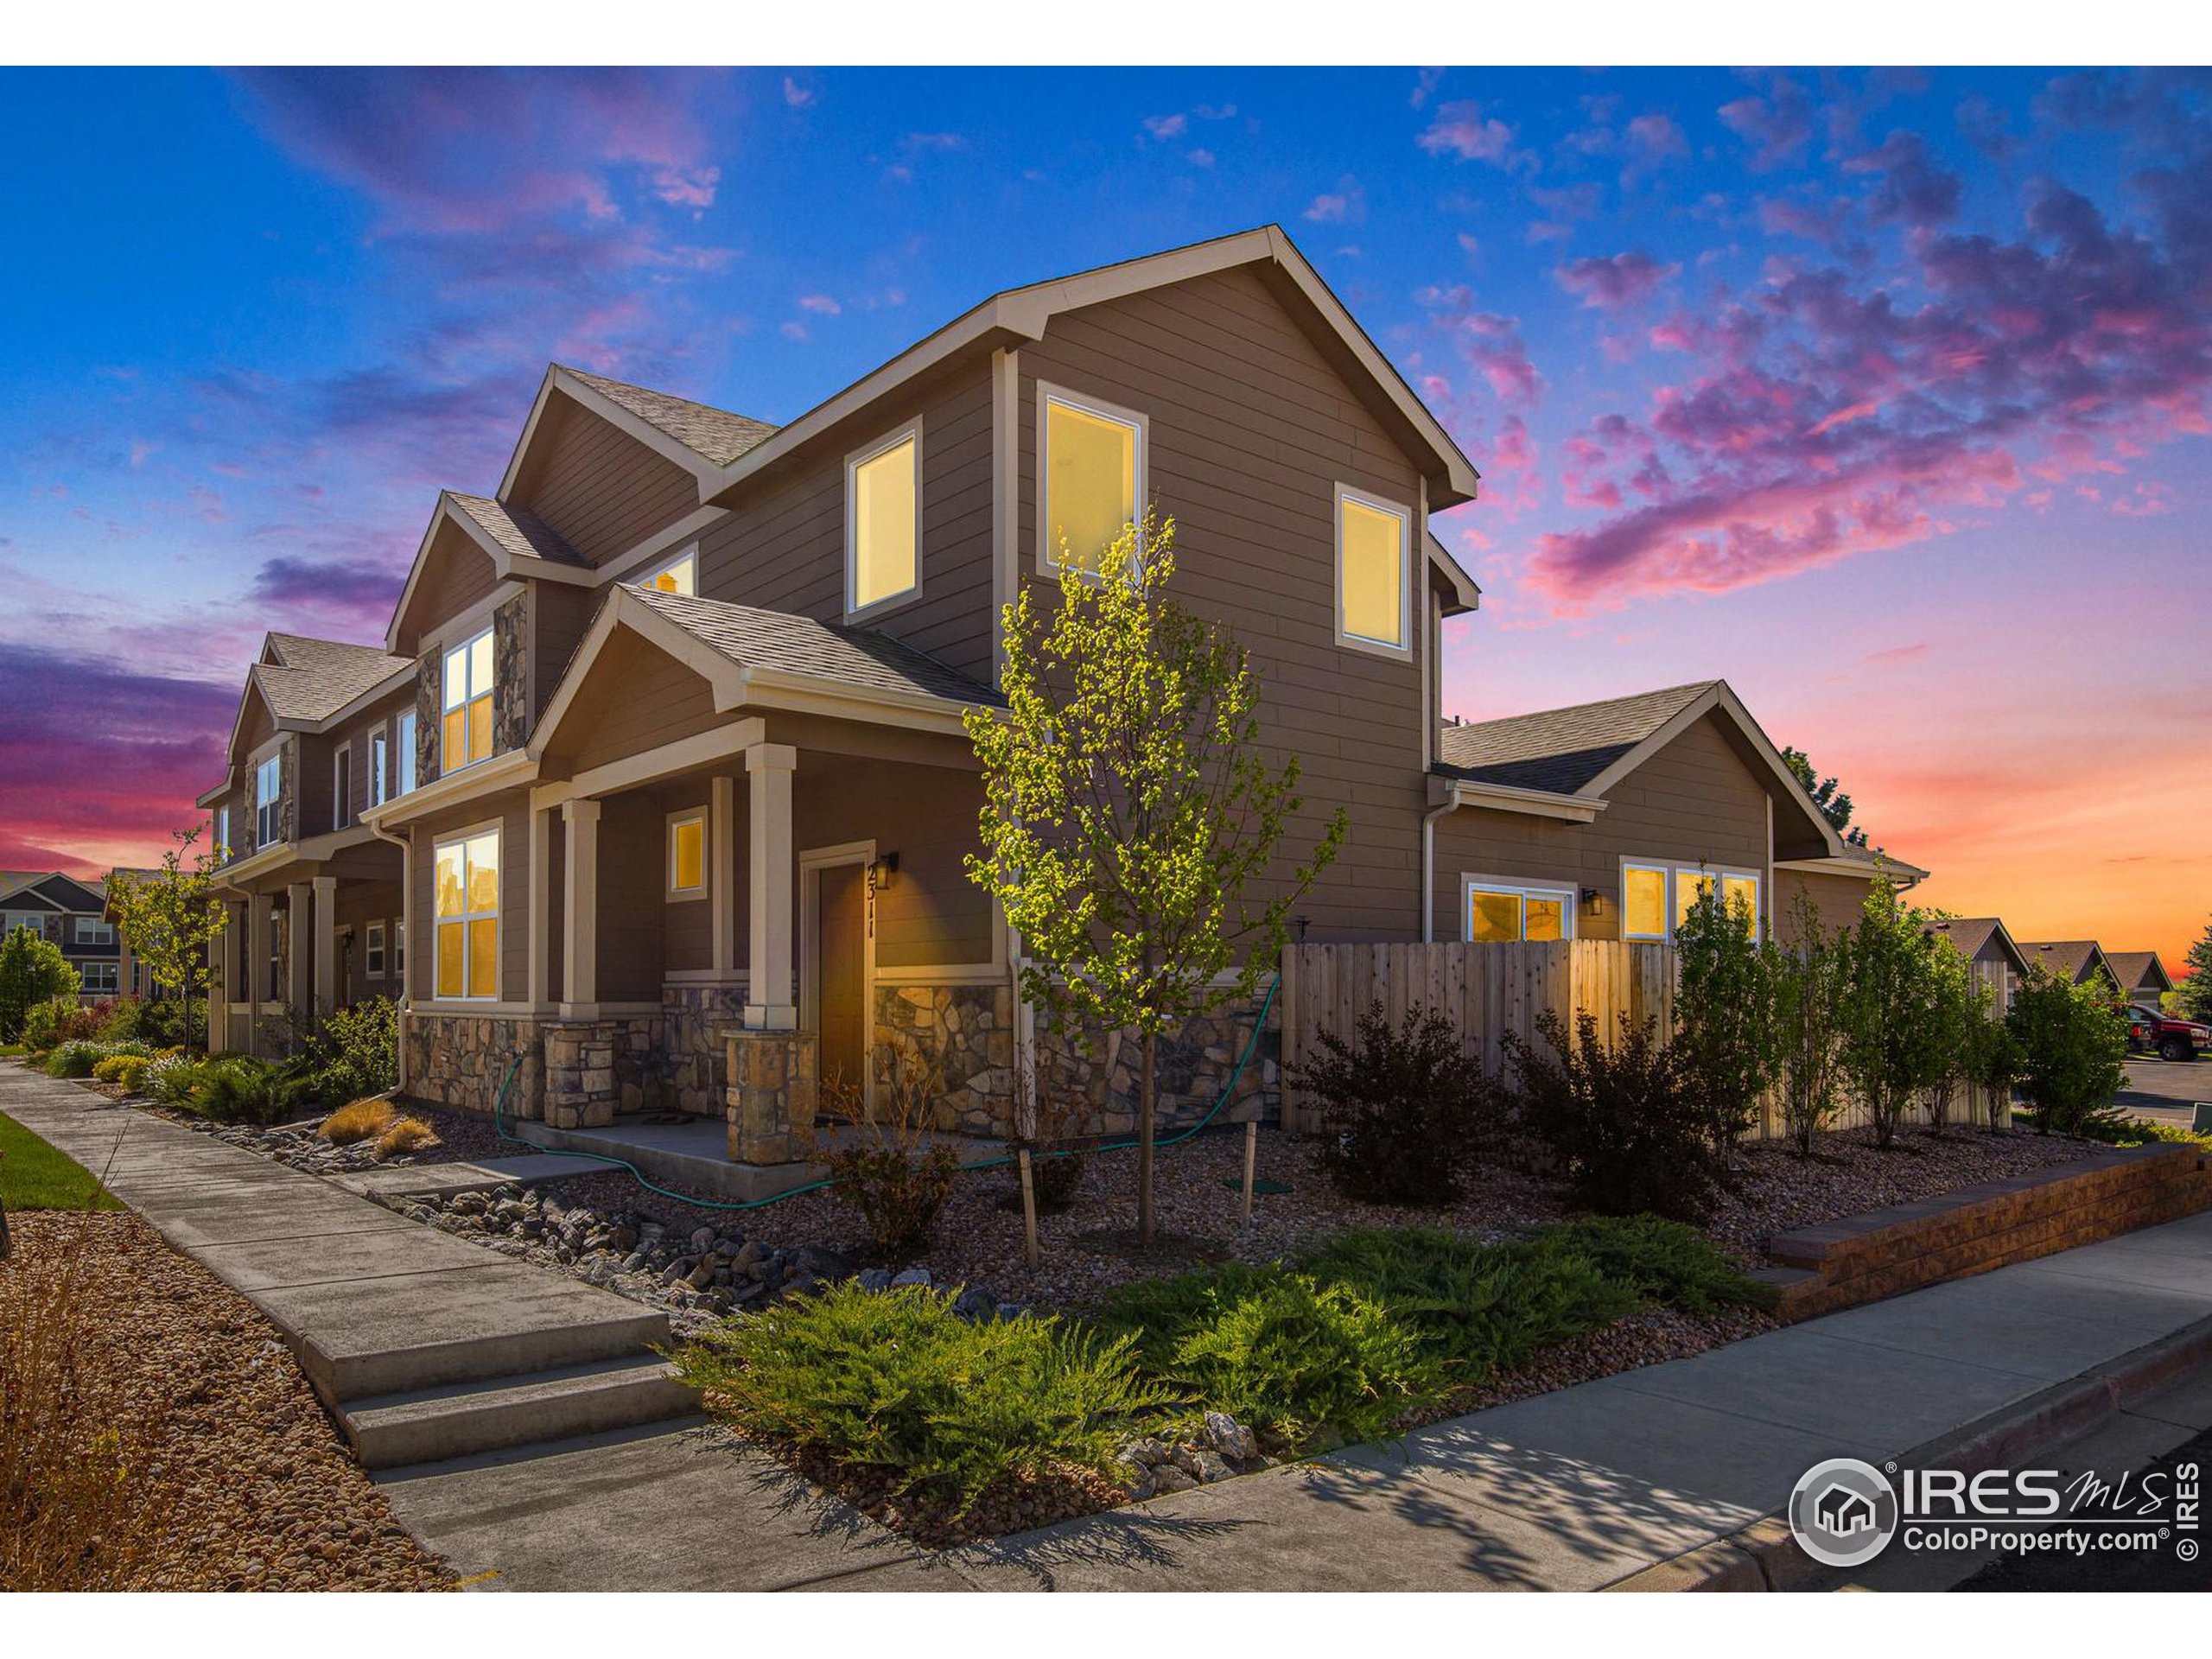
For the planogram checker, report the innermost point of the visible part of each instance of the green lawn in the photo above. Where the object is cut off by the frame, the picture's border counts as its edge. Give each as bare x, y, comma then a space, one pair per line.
34, 1176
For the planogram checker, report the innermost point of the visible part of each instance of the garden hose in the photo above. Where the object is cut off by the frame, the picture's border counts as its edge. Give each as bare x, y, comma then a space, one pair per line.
1228, 1089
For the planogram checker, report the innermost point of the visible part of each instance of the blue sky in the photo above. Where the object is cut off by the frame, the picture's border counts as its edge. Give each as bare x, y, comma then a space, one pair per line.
1881, 394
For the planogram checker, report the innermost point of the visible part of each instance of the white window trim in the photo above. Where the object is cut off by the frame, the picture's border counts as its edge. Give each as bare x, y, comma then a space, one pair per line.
1047, 395
1666, 874
854, 462
399, 949
496, 828
684, 895
1567, 891
341, 766
379, 767
275, 753
1674, 872
465, 648
92, 929
688, 554
403, 735
373, 964
1404, 515
221, 828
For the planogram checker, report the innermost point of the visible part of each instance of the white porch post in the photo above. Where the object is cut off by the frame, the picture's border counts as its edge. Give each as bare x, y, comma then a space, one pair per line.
768, 1005
259, 918
299, 965
721, 838
540, 906
325, 944
580, 906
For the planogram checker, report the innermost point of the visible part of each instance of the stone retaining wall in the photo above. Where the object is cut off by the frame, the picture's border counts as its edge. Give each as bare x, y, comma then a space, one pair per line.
1861, 1259
458, 1060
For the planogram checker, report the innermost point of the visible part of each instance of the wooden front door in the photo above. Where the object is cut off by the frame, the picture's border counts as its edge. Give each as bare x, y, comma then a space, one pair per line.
841, 958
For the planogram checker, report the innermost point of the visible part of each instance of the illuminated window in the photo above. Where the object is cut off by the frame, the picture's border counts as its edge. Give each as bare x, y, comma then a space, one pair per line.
468, 910
1643, 902
268, 799
679, 576
687, 855
1372, 537
466, 738
1741, 893
883, 520
1505, 913
222, 848
1092, 466
1690, 886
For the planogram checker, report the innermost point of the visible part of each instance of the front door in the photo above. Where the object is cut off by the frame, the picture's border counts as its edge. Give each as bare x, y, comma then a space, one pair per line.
841, 958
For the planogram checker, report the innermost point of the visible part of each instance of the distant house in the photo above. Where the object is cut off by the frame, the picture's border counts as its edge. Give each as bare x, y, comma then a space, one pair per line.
2076, 960
1984, 943
2142, 978
67, 913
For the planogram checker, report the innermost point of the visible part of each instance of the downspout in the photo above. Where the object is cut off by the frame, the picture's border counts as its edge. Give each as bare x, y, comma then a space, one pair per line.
1428, 865
406, 913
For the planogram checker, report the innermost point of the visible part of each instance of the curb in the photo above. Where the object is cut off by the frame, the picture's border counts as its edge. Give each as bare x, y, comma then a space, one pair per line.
1764, 1555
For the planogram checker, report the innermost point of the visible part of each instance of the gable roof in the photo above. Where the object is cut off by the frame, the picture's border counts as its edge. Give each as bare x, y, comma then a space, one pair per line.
2073, 959
51, 887
521, 532
1969, 935
1015, 314
715, 435
2133, 968
306, 679
1561, 750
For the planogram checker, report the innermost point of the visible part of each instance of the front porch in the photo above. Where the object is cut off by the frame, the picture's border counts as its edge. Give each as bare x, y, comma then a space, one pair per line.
312, 928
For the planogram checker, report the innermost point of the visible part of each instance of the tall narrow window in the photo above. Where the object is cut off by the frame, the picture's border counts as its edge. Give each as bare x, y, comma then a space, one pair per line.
468, 736
373, 950
1741, 894
222, 848
1643, 902
466, 877
379, 767
883, 520
406, 780
1372, 538
399, 951
341, 787
1092, 466
679, 576
1690, 886
268, 799
687, 855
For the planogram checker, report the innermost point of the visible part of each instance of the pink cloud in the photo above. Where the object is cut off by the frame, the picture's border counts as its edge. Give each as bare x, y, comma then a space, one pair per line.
1460, 130
1610, 283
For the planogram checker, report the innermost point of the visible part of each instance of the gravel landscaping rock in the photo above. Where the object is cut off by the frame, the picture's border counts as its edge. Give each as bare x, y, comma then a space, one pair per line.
252, 1486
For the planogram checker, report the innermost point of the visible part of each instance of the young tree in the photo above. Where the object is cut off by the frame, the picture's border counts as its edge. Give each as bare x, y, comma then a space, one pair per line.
1955, 1002
2073, 1046
1129, 808
32, 970
2195, 991
1993, 1058
1808, 995
1892, 1041
1725, 1035
171, 918
1834, 807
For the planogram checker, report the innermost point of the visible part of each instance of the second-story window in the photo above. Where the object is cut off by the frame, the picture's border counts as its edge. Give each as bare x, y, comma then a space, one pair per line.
1372, 586
467, 737
268, 790
883, 520
405, 780
679, 576
92, 929
379, 767
1092, 466
222, 847
341, 787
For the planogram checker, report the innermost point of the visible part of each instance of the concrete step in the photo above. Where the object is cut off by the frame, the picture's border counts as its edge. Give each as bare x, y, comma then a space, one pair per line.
431, 1424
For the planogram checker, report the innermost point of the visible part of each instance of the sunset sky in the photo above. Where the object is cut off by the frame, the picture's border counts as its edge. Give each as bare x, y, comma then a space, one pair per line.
1882, 396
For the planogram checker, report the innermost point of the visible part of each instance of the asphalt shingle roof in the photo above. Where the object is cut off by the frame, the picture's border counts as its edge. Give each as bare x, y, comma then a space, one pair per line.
517, 529
2132, 965
714, 434
1560, 749
2068, 957
799, 645
313, 679
1967, 934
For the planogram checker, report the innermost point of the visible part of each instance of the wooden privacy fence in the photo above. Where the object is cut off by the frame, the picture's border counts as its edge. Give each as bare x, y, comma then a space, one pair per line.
1488, 990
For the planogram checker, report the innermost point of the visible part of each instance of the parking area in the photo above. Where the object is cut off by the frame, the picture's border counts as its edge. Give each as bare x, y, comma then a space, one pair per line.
2167, 1089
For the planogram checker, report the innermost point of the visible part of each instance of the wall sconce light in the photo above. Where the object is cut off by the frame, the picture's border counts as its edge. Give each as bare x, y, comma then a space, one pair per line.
1301, 923
1593, 900
881, 873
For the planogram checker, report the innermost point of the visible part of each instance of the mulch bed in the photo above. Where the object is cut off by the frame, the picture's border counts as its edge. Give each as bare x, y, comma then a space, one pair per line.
246, 1485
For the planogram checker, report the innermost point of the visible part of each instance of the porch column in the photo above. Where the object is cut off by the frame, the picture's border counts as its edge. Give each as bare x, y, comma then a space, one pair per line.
540, 906
299, 965
768, 1006
580, 906
722, 839
326, 945
259, 917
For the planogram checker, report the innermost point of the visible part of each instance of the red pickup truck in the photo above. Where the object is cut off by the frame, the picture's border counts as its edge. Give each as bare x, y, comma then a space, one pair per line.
2174, 1040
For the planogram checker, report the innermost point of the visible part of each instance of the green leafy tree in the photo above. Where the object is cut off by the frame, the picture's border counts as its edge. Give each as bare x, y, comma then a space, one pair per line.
1892, 1041
2195, 991
1130, 811
32, 970
1809, 984
1826, 795
2073, 1046
1992, 1059
172, 918
1957, 1003
1724, 1033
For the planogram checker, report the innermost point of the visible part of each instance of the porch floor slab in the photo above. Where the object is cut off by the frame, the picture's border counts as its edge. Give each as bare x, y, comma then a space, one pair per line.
447, 1180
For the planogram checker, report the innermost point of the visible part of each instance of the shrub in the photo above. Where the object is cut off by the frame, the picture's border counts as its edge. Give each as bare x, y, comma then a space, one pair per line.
1658, 1261
1725, 1035
895, 1380
1808, 996
33, 971
1476, 1307
1047, 1122
1407, 1110
237, 1088
2073, 1050
74, 1059
898, 1181
110, 1069
130, 1072
170, 1078
404, 1136
364, 1040
1284, 1351
42, 1024
1623, 1125
360, 1120
163, 1021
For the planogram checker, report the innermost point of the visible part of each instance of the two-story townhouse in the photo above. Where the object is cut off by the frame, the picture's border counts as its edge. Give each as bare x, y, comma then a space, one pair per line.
71, 915
323, 734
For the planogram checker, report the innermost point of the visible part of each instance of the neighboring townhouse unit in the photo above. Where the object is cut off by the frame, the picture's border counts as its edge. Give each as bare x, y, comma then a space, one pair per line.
323, 734
69, 913
1984, 941
1607, 820
2076, 961
2142, 978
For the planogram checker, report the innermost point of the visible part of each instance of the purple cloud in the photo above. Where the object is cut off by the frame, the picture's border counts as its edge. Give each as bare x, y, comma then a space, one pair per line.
1608, 284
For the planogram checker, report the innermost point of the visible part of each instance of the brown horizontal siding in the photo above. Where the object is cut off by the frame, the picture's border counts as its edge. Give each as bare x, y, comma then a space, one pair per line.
561, 614
634, 697
457, 574
1836, 900
602, 489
